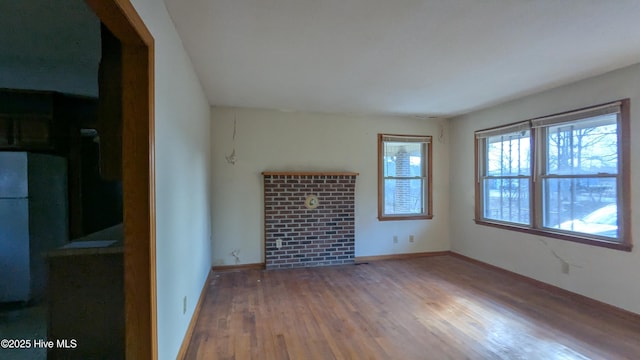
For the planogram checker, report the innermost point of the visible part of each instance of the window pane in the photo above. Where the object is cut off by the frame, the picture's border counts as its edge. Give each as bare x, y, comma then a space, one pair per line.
508, 154
563, 175
586, 147
506, 200
586, 205
402, 197
402, 159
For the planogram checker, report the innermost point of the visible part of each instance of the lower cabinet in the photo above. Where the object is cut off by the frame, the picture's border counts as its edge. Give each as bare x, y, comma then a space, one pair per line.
86, 306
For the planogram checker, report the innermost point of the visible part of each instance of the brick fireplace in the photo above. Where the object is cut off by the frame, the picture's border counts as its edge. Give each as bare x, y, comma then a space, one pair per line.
309, 219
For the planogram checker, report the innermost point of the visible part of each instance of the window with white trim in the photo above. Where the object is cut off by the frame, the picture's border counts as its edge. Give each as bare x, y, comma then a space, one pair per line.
404, 177
563, 175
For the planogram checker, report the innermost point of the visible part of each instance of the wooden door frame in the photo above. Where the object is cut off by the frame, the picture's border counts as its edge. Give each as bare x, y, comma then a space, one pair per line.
138, 174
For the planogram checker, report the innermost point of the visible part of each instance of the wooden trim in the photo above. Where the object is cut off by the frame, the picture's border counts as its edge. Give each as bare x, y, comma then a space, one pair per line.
407, 217
561, 236
535, 202
477, 177
256, 266
430, 179
138, 178
625, 167
380, 176
601, 306
123, 21
366, 259
429, 159
308, 173
182, 353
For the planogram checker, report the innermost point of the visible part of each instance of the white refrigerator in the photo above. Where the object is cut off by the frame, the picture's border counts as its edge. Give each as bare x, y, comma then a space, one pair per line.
33, 220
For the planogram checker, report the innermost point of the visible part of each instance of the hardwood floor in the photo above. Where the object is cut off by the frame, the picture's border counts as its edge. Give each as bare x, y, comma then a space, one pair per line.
426, 308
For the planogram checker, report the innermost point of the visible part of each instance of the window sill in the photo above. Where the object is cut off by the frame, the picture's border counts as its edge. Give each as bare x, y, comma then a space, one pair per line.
405, 217
622, 246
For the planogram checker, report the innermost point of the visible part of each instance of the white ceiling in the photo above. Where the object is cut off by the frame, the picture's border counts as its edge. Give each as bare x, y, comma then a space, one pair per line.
426, 57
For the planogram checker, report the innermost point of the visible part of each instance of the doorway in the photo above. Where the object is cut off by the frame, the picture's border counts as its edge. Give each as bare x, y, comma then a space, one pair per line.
138, 184
138, 181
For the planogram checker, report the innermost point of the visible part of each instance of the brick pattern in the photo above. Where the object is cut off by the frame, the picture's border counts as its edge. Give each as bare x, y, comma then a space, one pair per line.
310, 237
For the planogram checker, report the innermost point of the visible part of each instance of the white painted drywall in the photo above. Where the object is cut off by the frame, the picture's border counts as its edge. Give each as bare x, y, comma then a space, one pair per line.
182, 163
294, 141
606, 275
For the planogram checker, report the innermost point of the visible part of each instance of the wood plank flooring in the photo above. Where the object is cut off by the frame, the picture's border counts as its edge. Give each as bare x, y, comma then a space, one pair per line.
426, 308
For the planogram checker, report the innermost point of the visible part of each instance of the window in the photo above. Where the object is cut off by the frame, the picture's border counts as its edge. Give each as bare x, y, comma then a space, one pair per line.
506, 177
564, 176
404, 177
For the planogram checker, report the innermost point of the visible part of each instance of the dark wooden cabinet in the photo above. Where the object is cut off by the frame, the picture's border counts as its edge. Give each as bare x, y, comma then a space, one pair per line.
6, 131
86, 303
27, 120
33, 131
30, 132
42, 121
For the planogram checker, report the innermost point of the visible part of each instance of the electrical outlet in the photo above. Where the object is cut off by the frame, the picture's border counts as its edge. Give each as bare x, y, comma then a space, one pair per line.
411, 238
278, 243
395, 239
565, 267
184, 305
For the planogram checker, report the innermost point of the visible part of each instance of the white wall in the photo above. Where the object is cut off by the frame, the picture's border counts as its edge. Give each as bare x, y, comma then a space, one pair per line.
183, 164
291, 141
609, 276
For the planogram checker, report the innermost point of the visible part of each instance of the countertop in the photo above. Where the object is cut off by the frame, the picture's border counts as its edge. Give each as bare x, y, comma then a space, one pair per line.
91, 247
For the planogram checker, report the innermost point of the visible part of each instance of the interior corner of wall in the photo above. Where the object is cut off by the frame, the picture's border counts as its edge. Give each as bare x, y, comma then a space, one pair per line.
218, 262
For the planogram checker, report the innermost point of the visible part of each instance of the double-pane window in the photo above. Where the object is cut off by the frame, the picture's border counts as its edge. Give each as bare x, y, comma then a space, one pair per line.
562, 175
